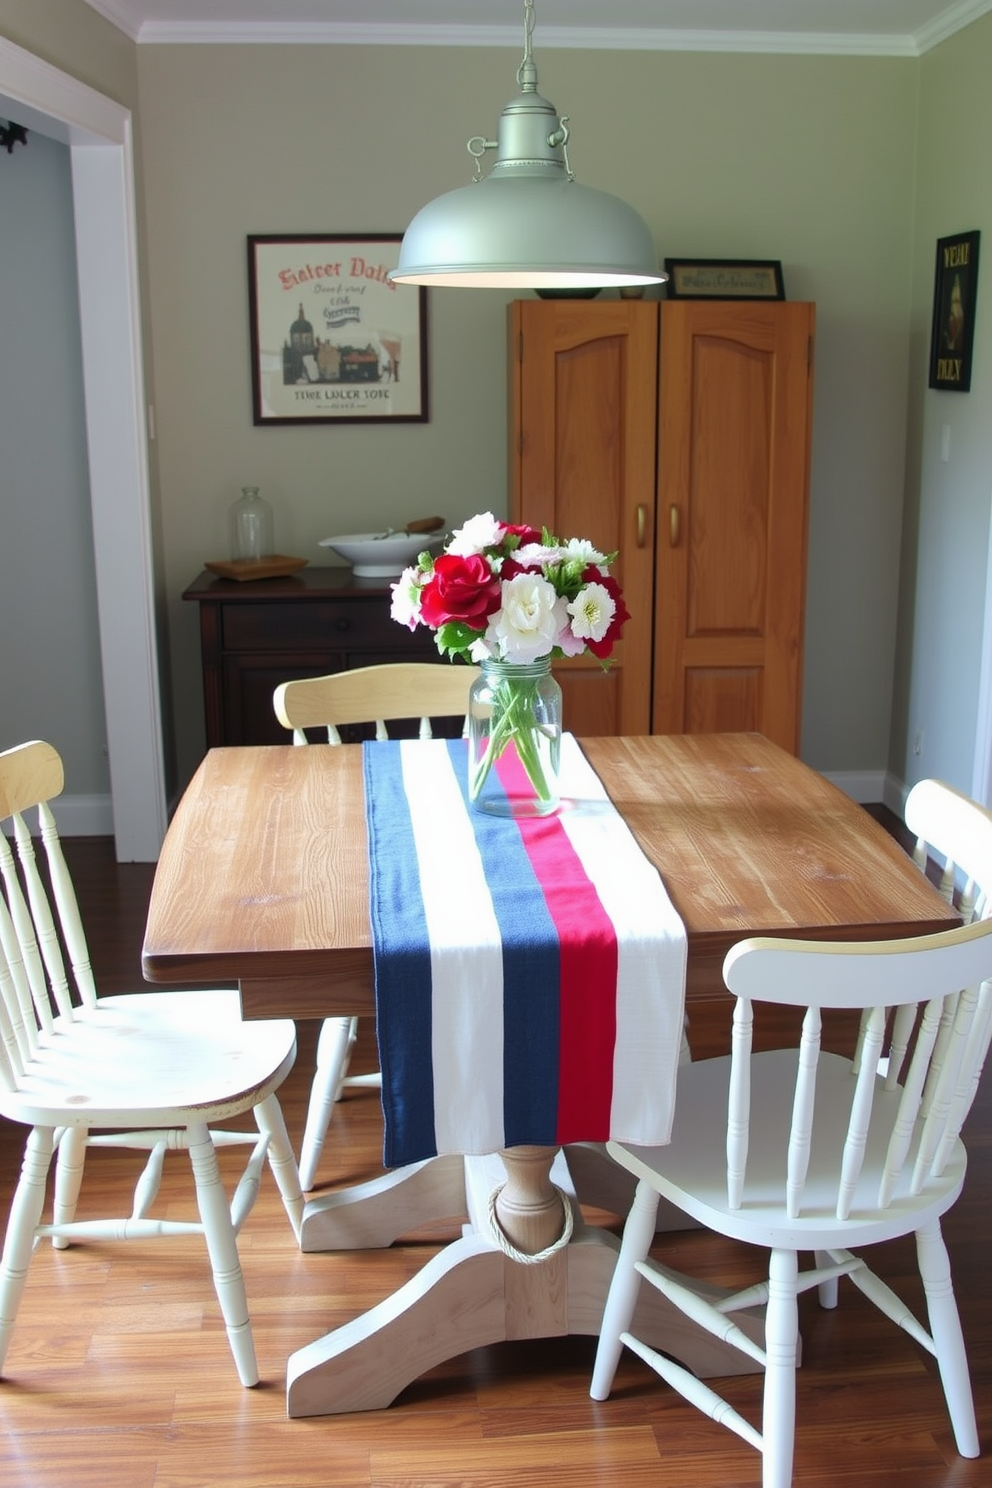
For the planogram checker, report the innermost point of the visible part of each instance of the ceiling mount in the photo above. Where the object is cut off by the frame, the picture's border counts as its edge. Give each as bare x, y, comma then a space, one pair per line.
528, 224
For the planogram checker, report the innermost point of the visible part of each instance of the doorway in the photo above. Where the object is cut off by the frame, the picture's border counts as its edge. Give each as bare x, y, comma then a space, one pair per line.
98, 133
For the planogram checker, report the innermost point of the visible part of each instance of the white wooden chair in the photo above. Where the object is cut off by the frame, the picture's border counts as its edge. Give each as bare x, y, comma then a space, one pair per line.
799, 1149
380, 695
148, 1070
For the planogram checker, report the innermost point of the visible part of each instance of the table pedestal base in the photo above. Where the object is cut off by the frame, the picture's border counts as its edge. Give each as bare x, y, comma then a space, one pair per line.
471, 1293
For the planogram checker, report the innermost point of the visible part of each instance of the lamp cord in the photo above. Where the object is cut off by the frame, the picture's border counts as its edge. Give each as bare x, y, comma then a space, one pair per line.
527, 71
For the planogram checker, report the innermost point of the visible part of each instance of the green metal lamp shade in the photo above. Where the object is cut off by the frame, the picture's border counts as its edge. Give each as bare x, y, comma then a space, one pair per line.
520, 232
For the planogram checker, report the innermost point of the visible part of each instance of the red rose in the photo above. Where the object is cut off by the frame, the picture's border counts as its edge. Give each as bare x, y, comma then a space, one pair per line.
462, 589
603, 648
525, 534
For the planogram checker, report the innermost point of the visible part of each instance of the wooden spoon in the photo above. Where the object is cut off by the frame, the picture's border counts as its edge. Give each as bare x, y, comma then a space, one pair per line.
419, 524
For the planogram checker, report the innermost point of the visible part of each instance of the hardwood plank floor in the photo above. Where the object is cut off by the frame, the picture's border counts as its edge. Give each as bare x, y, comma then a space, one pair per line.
119, 1375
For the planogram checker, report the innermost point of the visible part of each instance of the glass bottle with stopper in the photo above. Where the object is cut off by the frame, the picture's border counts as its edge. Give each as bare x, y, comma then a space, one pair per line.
251, 527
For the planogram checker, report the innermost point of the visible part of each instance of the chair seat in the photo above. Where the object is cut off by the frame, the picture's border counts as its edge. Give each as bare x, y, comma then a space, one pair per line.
189, 1053
692, 1170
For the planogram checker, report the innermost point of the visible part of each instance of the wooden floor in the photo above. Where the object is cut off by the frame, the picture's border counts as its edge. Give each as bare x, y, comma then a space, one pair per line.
119, 1375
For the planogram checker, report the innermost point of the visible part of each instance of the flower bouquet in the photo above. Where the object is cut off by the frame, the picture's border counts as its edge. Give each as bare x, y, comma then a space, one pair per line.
512, 599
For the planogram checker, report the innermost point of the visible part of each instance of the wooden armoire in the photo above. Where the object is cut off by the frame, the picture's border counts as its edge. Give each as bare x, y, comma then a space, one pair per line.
676, 433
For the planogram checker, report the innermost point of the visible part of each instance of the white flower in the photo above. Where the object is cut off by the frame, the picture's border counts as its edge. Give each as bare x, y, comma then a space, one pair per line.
529, 620
581, 547
478, 533
405, 606
535, 555
481, 649
592, 612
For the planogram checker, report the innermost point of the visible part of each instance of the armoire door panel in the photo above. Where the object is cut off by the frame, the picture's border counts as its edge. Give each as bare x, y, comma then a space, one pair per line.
583, 399
589, 464
726, 505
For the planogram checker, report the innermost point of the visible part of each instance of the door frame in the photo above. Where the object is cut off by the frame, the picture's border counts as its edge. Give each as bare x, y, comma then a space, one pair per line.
981, 785
98, 132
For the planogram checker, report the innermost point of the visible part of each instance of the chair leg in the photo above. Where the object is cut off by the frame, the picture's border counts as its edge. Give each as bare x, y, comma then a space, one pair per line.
827, 1290
282, 1159
337, 1035
638, 1233
69, 1164
778, 1426
25, 1215
945, 1329
222, 1247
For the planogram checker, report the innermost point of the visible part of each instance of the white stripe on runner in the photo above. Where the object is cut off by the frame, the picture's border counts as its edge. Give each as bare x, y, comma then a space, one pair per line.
467, 995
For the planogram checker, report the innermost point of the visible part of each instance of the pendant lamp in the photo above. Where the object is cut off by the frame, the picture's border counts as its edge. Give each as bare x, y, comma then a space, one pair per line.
528, 224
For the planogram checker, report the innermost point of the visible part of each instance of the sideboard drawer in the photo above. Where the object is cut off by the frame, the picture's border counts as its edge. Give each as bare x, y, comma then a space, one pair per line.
362, 624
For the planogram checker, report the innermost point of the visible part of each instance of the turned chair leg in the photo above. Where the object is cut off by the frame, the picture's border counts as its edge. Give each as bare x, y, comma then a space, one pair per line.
948, 1339
282, 1160
25, 1216
70, 1160
334, 1046
638, 1233
218, 1229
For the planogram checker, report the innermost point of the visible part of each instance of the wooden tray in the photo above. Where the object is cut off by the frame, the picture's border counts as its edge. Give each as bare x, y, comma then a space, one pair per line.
275, 567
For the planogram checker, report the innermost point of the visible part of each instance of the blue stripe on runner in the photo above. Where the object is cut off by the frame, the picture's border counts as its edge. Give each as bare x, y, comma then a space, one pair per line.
530, 973
402, 962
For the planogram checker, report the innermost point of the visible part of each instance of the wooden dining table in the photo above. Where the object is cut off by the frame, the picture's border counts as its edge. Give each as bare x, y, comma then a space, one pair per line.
263, 880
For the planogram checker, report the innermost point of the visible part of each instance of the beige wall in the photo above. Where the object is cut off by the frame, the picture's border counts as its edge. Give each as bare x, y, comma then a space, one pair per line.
808, 160
73, 37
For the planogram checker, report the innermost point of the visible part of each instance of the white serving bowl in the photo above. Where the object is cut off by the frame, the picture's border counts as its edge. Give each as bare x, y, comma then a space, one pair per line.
379, 555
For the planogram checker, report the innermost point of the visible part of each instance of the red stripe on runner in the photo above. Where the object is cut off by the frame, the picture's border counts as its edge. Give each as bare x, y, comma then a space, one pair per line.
588, 970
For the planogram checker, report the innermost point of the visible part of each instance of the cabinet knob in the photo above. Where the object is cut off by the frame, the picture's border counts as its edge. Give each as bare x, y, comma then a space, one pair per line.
674, 525
342, 624
642, 524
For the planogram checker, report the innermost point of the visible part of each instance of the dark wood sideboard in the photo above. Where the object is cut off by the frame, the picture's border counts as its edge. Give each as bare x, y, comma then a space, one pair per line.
260, 632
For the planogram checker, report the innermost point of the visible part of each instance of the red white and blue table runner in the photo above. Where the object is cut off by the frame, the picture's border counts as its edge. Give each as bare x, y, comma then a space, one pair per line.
529, 973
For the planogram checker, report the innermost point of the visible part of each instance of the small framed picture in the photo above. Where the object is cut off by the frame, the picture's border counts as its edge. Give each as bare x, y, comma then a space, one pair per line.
723, 279
952, 333
333, 340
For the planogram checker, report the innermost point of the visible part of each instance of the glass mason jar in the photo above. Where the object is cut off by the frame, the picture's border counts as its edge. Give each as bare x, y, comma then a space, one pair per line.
514, 738
251, 527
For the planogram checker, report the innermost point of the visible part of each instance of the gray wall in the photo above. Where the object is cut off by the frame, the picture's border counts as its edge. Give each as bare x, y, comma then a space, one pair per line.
50, 680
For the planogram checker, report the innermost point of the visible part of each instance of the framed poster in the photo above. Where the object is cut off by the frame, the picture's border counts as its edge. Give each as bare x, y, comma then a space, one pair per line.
333, 341
952, 333
723, 279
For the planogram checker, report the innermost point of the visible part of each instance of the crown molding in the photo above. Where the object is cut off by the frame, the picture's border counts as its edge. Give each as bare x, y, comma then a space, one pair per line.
553, 38
950, 21
566, 38
118, 15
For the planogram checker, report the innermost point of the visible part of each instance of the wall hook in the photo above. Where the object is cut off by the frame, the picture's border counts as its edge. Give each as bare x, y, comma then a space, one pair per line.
11, 135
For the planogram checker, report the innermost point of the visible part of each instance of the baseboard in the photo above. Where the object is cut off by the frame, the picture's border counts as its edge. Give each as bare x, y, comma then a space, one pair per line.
82, 816
872, 787
861, 785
